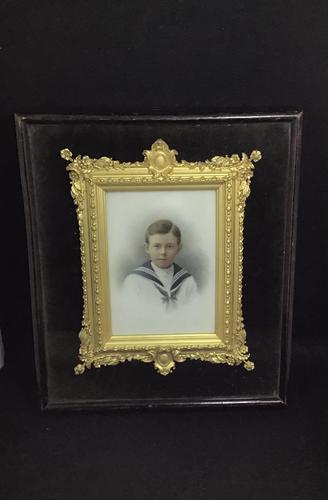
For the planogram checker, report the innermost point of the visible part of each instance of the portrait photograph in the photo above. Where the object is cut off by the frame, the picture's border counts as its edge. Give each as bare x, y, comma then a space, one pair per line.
161, 251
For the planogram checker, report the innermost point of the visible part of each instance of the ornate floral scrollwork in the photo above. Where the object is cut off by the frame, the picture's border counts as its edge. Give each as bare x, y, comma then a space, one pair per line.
164, 358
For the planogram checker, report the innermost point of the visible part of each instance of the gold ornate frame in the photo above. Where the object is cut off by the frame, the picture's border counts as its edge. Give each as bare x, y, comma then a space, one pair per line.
230, 178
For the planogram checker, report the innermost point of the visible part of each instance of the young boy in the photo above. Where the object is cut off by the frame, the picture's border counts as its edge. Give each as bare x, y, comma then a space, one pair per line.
160, 283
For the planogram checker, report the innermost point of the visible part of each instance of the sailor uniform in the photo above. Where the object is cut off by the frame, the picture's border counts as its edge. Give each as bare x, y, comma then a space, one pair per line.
165, 289
156, 301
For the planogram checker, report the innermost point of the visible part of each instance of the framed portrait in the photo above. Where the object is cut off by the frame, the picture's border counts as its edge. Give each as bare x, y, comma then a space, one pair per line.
158, 278
161, 257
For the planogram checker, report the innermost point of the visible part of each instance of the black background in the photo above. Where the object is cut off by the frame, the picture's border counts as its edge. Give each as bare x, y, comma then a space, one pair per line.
55, 246
166, 57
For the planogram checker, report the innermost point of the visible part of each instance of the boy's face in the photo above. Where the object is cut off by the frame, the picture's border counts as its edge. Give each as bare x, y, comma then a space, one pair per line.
162, 249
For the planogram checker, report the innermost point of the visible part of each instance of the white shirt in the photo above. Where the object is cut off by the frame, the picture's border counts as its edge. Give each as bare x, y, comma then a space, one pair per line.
165, 275
150, 307
148, 293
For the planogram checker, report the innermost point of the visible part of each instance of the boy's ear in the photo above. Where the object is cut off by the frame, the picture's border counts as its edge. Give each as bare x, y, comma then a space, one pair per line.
179, 247
146, 247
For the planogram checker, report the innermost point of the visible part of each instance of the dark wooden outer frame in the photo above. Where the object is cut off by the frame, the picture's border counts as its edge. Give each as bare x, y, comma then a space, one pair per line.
23, 123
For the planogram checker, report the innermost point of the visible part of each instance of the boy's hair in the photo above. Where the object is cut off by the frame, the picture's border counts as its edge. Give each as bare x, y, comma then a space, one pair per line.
162, 226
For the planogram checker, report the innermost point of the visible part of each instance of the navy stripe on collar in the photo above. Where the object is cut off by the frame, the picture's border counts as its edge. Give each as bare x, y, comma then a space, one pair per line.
147, 271
176, 267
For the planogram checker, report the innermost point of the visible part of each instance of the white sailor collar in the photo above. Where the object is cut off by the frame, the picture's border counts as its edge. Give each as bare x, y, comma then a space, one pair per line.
147, 271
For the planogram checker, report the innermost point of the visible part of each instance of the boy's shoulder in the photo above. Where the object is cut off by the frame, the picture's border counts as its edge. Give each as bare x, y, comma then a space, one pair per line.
144, 271
142, 280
